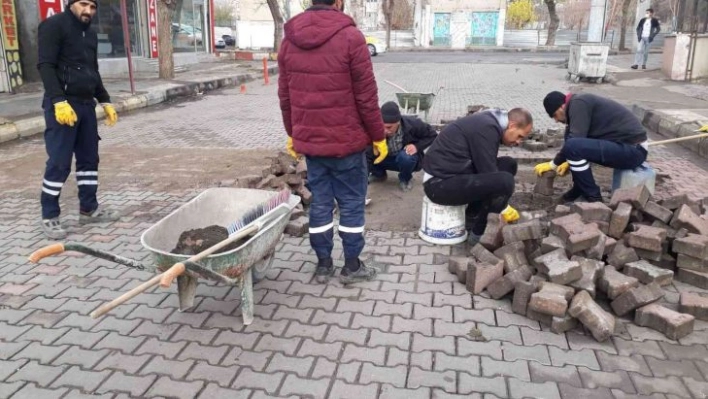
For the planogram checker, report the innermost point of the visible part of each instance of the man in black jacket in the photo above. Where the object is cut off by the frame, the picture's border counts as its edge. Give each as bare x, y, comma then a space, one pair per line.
407, 137
68, 65
599, 130
462, 167
647, 29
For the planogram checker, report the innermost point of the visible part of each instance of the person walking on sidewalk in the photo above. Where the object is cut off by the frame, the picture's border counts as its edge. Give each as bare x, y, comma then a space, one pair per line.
407, 137
647, 29
329, 101
68, 65
462, 166
599, 130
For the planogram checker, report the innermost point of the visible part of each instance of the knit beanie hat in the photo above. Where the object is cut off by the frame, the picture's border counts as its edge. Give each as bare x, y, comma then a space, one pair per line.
553, 101
70, 2
390, 112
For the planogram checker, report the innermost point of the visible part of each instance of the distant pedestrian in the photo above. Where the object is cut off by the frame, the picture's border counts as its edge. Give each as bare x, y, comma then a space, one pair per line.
68, 65
329, 100
647, 29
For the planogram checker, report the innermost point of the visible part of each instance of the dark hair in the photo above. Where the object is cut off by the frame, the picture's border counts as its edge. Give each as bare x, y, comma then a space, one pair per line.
325, 2
651, 10
521, 117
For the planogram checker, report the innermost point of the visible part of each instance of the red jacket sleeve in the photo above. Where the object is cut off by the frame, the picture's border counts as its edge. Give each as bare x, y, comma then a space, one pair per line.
364, 85
283, 89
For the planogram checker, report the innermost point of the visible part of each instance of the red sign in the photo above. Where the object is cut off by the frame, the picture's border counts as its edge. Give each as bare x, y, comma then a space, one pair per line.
152, 25
47, 8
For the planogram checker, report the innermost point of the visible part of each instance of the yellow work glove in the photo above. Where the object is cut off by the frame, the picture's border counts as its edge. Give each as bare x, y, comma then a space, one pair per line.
510, 214
290, 149
544, 167
111, 114
64, 114
380, 150
563, 169
703, 129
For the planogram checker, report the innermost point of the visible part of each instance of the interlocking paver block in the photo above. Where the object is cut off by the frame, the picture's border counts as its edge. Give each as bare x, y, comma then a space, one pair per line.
533, 230
668, 385
658, 212
636, 196
211, 354
276, 344
395, 376
535, 390
614, 283
619, 220
493, 237
343, 390
86, 380
80, 357
30, 391
420, 378
647, 273
159, 365
480, 275
37, 373
600, 323
505, 284
636, 298
621, 255
522, 295
568, 391
268, 382
175, 389
693, 245
616, 379
471, 384
647, 238
694, 278
513, 256
694, 304
481, 254
300, 386
592, 211
673, 324
213, 391
685, 218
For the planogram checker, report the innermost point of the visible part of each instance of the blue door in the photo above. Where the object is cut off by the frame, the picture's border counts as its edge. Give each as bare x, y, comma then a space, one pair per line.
484, 28
441, 29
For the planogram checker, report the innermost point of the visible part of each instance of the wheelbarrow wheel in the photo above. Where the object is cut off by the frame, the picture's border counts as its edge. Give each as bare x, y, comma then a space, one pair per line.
260, 269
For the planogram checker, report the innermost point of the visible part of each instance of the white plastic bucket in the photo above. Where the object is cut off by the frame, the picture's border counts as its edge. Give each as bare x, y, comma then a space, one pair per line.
642, 175
443, 225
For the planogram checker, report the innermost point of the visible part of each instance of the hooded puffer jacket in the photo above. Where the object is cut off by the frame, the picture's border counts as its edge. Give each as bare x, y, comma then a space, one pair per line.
328, 94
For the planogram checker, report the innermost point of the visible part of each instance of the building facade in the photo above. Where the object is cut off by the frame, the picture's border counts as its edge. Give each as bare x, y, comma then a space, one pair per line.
461, 23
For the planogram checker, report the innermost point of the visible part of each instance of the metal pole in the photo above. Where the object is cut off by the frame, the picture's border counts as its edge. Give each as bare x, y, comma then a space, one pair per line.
126, 42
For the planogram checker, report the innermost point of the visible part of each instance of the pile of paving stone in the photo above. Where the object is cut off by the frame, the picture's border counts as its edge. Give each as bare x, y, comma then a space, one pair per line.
537, 141
285, 172
592, 262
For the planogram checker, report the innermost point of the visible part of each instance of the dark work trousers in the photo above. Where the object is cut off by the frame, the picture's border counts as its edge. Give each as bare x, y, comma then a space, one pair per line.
62, 143
399, 162
344, 180
483, 193
580, 152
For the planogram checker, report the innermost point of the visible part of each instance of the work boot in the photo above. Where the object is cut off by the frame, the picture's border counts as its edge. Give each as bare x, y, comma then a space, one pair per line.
100, 215
325, 270
53, 229
634, 66
351, 274
405, 186
572, 195
377, 179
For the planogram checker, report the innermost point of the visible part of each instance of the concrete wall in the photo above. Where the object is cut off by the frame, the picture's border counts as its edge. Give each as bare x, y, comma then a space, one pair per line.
468, 5
676, 53
28, 21
254, 34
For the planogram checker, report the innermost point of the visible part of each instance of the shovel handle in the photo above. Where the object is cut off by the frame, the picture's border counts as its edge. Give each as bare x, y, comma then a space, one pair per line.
45, 252
172, 273
105, 308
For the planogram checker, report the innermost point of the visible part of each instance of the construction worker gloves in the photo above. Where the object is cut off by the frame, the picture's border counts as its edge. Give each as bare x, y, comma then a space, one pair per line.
703, 129
380, 150
290, 149
65, 115
542, 168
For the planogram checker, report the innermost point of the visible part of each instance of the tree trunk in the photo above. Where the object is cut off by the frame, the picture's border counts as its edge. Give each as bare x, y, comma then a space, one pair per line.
623, 26
278, 21
166, 62
553, 25
388, 15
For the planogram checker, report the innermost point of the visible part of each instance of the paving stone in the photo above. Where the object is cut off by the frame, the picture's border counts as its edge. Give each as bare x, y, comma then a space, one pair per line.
621, 255
211, 354
673, 324
559, 325
491, 349
470, 384
668, 385
663, 368
538, 353
636, 196
532, 337
619, 220
592, 211
513, 255
268, 382
616, 379
694, 304
636, 298
519, 389
694, 278
522, 295
697, 388
685, 218
118, 361
343, 390
691, 263
680, 352
276, 344
548, 302
300, 386
296, 365
395, 376
505, 284
167, 387
568, 391
175, 369
119, 342
647, 273
591, 271
693, 245
614, 283
597, 320
154, 346
400, 324
635, 363
36, 373
492, 237
646, 348
378, 338
481, 274
88, 381
80, 357
568, 374
417, 378
43, 354
658, 212
423, 343
213, 391
390, 392
30, 391
647, 238
297, 329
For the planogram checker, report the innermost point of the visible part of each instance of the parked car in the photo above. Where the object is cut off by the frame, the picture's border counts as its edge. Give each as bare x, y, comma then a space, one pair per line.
219, 43
374, 45
229, 40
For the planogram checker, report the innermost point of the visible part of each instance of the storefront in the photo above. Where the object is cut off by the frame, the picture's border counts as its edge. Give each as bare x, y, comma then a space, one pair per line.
10, 66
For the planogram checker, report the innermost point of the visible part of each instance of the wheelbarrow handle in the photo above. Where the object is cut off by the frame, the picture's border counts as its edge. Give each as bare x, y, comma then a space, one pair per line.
107, 307
45, 252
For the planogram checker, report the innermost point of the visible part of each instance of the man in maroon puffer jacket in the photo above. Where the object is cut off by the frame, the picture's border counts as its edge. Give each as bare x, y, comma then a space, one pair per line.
329, 100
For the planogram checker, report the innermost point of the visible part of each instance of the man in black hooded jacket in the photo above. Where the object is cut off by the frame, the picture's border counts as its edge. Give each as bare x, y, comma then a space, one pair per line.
68, 65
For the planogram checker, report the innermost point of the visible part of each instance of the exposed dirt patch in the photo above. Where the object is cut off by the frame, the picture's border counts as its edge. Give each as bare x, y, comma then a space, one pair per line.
192, 242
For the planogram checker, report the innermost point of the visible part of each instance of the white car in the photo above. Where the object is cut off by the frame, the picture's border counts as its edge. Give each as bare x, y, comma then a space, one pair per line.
219, 43
375, 46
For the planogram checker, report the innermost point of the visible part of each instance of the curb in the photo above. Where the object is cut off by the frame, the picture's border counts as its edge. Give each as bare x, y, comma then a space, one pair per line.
672, 128
22, 128
539, 49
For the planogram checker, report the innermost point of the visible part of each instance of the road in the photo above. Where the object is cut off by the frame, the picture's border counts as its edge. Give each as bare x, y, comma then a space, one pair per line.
443, 57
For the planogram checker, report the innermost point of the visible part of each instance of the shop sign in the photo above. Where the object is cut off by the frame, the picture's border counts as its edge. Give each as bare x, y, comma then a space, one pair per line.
47, 8
8, 27
152, 25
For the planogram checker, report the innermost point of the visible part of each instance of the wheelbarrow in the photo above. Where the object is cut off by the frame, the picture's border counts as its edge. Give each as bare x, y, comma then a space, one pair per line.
413, 103
240, 266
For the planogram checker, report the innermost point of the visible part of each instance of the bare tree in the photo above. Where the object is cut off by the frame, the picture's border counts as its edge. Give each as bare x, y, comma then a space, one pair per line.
278, 22
165, 58
554, 20
623, 23
388, 6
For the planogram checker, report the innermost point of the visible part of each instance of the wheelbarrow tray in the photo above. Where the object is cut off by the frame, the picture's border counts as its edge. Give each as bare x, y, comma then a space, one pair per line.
425, 99
216, 206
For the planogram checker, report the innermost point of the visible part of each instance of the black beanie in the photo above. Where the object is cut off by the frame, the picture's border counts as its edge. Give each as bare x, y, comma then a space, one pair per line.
390, 112
553, 101
70, 2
